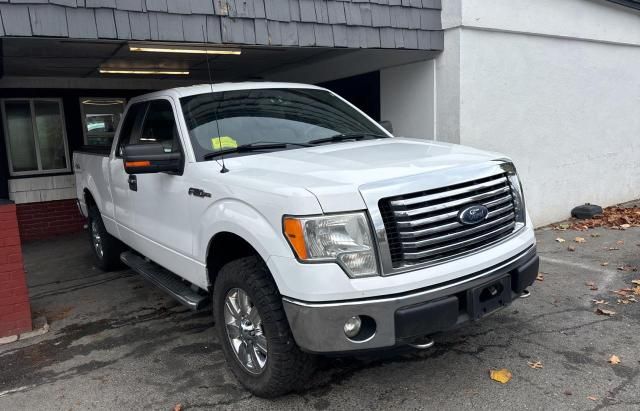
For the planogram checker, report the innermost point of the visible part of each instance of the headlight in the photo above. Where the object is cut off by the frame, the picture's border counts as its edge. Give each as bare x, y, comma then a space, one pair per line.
343, 238
518, 195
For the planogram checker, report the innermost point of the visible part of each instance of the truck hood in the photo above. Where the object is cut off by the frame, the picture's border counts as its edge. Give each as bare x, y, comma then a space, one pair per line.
335, 173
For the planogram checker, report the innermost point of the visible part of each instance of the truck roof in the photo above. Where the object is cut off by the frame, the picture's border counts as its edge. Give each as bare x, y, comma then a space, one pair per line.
180, 92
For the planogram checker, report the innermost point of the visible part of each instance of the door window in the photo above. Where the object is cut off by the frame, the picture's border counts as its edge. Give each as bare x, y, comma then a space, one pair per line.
131, 125
159, 127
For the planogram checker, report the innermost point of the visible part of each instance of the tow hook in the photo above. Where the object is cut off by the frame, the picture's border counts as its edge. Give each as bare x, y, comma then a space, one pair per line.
525, 293
423, 343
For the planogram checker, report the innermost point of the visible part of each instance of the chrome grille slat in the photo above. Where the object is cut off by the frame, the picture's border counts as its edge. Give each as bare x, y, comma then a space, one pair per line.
423, 228
458, 234
439, 250
467, 200
447, 193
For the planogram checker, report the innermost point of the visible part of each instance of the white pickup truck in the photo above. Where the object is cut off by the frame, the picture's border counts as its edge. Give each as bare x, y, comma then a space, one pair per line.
310, 228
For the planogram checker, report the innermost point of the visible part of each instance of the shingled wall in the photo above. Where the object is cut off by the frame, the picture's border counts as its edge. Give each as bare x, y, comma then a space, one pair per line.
408, 24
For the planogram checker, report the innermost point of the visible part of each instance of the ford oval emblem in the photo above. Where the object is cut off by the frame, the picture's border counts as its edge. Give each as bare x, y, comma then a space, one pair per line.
474, 214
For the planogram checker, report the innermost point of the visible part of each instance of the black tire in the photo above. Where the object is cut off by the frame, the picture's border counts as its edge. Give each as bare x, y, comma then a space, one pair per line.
287, 367
109, 258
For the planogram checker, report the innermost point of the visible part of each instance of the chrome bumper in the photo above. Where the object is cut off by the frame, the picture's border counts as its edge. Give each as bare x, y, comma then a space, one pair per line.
318, 327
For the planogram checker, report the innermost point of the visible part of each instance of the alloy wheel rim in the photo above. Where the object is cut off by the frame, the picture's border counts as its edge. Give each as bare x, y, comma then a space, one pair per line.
97, 239
244, 330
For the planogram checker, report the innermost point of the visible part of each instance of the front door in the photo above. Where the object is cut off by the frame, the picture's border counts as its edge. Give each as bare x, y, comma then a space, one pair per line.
160, 201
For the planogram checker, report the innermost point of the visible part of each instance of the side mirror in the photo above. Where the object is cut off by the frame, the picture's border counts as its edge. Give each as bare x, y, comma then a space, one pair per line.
150, 158
387, 125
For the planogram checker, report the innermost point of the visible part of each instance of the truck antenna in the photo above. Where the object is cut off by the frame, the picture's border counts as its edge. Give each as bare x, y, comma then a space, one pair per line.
205, 37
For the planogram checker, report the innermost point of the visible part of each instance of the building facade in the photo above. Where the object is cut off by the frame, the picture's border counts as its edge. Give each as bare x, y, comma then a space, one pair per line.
554, 84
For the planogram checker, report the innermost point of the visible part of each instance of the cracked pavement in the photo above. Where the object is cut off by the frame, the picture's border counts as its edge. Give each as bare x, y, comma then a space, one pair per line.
117, 342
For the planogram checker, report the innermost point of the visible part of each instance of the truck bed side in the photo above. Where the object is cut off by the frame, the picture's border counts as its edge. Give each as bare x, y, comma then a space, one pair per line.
91, 167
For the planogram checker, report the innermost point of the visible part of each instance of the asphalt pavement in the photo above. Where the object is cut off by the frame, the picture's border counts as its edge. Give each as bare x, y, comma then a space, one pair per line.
117, 342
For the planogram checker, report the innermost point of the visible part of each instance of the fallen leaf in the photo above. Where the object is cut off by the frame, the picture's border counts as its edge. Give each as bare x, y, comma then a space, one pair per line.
571, 248
502, 375
604, 264
625, 226
636, 282
560, 240
178, 407
592, 398
620, 242
595, 235
536, 365
599, 302
613, 248
580, 240
614, 359
540, 277
602, 311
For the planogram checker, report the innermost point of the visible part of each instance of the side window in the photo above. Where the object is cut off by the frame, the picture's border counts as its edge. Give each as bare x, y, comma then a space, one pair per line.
159, 127
131, 125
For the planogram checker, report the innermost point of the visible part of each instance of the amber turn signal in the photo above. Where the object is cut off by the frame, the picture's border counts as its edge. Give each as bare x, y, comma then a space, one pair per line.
295, 236
138, 164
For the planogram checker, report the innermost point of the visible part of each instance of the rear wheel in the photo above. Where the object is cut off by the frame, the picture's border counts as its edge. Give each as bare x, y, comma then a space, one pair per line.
106, 248
254, 332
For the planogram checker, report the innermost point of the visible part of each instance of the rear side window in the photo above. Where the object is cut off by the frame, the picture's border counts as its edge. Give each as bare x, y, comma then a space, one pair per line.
131, 125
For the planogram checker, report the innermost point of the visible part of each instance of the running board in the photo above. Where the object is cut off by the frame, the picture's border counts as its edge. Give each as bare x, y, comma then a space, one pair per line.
165, 280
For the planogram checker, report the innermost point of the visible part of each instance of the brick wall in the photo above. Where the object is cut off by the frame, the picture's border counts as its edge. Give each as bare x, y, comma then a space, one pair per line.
48, 219
15, 311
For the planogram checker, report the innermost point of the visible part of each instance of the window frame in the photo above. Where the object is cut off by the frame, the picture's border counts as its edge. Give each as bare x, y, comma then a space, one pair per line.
39, 171
83, 117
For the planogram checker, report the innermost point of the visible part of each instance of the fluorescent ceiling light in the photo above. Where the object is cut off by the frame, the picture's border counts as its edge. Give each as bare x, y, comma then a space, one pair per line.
102, 102
166, 49
151, 72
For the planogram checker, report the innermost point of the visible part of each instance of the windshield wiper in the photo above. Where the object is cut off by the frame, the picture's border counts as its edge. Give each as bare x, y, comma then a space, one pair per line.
257, 146
346, 136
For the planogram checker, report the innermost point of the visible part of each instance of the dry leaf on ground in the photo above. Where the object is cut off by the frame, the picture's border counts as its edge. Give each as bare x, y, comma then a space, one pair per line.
592, 398
612, 217
571, 248
602, 311
592, 286
178, 407
502, 375
636, 282
536, 365
580, 240
560, 240
604, 264
540, 277
599, 302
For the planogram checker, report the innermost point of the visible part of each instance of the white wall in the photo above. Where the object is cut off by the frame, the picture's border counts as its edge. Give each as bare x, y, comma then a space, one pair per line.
407, 99
554, 84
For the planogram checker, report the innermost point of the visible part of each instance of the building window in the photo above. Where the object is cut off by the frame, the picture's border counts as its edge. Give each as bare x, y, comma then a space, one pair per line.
35, 136
100, 118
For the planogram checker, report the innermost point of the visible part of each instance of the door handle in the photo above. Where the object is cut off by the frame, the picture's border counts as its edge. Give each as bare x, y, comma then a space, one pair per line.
133, 182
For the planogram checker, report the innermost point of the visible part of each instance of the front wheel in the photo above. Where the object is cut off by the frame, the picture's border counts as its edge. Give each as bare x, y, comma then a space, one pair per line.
254, 332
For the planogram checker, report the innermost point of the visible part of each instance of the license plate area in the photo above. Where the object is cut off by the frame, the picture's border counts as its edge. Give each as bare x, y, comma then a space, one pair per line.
489, 297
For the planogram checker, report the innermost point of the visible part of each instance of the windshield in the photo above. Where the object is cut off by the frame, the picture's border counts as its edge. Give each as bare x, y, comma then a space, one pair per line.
225, 120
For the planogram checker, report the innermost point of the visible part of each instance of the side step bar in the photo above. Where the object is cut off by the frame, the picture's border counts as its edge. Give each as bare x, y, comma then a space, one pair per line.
165, 280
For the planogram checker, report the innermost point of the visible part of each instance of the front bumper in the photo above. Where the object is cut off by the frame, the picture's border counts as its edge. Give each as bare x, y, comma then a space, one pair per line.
402, 318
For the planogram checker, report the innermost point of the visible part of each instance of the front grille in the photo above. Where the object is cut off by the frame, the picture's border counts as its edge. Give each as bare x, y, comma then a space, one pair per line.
423, 228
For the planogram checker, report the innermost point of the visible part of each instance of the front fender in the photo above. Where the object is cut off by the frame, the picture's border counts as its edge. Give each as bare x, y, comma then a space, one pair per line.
263, 233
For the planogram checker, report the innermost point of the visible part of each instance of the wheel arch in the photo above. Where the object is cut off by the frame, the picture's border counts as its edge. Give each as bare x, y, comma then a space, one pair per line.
225, 247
